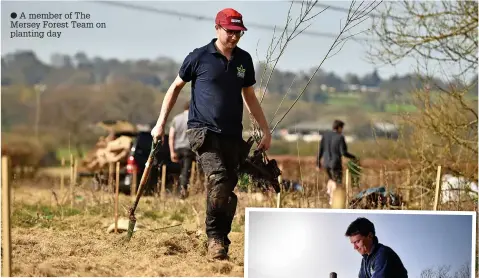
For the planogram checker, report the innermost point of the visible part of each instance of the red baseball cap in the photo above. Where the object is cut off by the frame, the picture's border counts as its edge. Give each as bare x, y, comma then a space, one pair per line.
230, 19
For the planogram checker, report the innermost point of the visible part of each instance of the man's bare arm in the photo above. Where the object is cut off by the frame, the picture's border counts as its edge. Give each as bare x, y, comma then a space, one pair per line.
255, 109
169, 101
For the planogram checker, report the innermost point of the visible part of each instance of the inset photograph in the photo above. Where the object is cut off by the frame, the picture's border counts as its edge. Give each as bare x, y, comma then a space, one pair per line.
313, 243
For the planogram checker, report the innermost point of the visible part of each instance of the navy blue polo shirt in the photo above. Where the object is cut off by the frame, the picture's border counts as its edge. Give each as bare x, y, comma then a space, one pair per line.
216, 88
383, 262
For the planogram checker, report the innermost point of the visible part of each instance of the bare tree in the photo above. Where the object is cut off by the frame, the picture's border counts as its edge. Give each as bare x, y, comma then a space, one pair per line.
444, 271
463, 272
72, 109
441, 31
444, 129
357, 14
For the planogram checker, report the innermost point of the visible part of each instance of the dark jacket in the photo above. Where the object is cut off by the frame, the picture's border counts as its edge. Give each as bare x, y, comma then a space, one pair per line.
332, 147
383, 262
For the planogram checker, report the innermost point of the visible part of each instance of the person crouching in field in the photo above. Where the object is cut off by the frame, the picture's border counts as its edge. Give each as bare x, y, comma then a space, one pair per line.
180, 148
331, 149
222, 77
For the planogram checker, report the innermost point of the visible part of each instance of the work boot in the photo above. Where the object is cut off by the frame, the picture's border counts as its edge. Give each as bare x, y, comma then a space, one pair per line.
216, 249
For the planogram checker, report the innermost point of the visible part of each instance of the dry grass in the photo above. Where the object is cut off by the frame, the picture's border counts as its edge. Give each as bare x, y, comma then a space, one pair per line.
49, 239
52, 238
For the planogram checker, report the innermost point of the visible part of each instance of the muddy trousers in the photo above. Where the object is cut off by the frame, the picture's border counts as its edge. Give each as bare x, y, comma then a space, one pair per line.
218, 156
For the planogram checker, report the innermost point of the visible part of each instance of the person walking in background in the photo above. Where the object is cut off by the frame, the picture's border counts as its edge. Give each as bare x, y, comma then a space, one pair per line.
379, 261
180, 148
331, 149
222, 77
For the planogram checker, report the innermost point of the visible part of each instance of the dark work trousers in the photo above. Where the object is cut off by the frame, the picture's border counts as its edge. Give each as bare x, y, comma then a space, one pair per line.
185, 157
218, 156
335, 174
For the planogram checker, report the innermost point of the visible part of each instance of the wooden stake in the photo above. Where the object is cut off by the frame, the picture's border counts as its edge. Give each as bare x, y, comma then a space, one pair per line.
110, 177
347, 186
75, 171
62, 177
117, 189
72, 179
409, 186
6, 229
438, 187
163, 182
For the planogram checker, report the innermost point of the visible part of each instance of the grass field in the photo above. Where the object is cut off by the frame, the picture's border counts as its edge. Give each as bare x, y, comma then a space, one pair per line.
50, 239
346, 100
51, 236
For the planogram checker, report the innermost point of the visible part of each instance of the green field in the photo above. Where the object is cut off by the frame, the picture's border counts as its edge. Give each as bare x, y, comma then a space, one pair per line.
345, 100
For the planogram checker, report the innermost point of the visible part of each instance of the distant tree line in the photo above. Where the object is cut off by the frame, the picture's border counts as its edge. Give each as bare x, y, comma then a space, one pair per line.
24, 67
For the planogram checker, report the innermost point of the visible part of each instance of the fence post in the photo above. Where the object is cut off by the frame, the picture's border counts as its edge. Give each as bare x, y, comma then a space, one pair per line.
111, 186
6, 229
438, 187
163, 182
72, 179
62, 177
117, 193
408, 185
347, 183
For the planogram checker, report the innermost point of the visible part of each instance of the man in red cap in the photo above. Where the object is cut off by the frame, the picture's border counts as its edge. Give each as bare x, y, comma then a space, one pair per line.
222, 76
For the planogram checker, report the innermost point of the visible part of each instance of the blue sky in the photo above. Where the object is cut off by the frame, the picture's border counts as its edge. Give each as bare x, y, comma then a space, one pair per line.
132, 34
305, 244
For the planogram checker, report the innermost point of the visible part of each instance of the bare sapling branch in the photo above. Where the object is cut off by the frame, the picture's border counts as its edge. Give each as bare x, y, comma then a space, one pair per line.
355, 15
444, 32
288, 34
286, 37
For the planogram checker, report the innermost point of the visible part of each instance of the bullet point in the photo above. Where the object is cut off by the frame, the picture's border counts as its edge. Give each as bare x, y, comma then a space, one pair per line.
13, 15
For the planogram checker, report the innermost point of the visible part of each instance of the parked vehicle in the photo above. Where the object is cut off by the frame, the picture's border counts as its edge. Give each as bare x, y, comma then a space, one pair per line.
139, 152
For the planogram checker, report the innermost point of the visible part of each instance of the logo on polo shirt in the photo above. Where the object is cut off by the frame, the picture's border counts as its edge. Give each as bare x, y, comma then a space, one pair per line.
241, 71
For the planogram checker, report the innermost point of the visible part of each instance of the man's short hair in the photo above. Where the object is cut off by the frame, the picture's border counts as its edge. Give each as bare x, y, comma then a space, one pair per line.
361, 226
338, 124
186, 106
